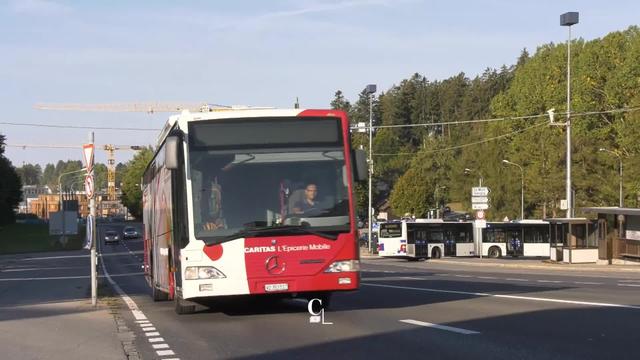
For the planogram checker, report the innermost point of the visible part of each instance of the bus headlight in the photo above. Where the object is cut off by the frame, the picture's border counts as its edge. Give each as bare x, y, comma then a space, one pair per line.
343, 266
202, 272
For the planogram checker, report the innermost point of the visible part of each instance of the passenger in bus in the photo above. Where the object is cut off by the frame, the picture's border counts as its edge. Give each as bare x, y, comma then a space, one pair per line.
213, 208
308, 205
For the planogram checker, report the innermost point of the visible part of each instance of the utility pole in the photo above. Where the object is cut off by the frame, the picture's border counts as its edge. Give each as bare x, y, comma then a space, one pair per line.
568, 19
370, 90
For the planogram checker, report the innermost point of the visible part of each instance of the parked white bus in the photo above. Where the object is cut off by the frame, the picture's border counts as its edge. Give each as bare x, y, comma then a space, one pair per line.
518, 238
425, 238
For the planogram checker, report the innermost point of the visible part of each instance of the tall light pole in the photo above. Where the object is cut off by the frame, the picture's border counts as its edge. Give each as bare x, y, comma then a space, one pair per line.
480, 179
370, 90
436, 199
568, 19
521, 187
615, 153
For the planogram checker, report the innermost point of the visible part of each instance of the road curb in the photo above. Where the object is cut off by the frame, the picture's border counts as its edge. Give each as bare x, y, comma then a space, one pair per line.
540, 267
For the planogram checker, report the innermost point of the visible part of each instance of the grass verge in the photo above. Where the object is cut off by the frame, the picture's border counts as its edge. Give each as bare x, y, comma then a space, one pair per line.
24, 238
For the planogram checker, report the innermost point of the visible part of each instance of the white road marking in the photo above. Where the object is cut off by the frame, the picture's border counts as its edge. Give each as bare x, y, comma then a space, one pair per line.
587, 283
149, 329
549, 281
440, 327
67, 277
463, 276
634, 285
638, 281
160, 346
513, 297
44, 268
515, 279
137, 313
47, 278
156, 339
412, 278
54, 257
487, 277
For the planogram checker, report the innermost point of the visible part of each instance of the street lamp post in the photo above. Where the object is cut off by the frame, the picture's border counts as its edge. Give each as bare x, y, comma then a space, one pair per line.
521, 187
480, 179
370, 90
568, 19
437, 200
614, 153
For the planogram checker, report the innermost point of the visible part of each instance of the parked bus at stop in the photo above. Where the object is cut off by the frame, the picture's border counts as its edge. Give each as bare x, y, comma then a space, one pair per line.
251, 202
425, 238
516, 238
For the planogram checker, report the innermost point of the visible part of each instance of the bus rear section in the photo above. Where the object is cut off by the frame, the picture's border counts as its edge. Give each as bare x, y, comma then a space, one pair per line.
270, 206
528, 238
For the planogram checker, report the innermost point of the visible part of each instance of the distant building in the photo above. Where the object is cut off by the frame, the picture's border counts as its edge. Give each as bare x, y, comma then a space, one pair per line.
29, 194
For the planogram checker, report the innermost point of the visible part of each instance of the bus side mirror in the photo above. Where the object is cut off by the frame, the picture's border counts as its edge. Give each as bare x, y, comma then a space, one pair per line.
361, 165
171, 147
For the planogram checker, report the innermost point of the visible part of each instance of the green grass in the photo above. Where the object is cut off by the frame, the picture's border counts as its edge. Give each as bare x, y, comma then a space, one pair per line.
24, 238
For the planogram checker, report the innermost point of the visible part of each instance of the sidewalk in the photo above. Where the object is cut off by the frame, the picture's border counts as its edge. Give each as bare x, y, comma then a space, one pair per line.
46, 311
534, 264
520, 263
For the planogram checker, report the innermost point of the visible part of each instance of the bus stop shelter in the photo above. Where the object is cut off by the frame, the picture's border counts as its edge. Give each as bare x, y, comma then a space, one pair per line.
573, 240
618, 234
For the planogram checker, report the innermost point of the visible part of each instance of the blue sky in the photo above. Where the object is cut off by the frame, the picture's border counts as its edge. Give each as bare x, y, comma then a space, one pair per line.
263, 53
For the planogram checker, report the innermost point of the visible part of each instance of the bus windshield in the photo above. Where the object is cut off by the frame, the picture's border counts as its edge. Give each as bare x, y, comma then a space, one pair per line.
266, 192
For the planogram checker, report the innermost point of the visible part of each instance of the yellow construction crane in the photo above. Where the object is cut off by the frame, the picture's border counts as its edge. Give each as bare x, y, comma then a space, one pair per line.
148, 107
111, 167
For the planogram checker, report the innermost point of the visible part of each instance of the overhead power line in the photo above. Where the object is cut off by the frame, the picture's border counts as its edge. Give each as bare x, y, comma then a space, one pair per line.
505, 118
468, 144
78, 127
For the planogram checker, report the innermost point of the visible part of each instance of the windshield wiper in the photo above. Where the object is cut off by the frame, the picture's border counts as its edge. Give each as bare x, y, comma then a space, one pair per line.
270, 230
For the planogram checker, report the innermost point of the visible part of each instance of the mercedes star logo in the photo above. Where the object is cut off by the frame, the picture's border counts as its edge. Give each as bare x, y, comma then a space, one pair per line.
274, 265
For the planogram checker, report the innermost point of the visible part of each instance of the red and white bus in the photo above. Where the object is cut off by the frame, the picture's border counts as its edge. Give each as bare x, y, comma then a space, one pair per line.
251, 201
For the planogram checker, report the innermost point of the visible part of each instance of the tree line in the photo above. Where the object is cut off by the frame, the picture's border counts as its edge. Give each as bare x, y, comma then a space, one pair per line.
419, 168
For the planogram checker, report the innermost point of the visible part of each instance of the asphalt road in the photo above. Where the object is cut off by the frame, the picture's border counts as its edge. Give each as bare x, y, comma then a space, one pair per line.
405, 309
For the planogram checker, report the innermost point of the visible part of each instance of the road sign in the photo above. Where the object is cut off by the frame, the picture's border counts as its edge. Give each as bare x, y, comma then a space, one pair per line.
480, 191
88, 186
480, 215
479, 199
481, 224
87, 155
481, 206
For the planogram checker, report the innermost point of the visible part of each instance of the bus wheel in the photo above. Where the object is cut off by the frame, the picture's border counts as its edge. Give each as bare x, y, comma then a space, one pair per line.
495, 252
182, 307
436, 253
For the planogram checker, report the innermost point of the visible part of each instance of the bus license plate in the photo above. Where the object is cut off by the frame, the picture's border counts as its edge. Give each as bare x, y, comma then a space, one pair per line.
276, 287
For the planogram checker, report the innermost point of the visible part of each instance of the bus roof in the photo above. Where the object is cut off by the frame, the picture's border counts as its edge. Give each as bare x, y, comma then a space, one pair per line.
238, 112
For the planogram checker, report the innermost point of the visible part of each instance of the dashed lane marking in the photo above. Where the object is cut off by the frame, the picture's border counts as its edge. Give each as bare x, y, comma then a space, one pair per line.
549, 281
138, 315
587, 283
440, 327
165, 352
511, 297
631, 285
156, 339
515, 279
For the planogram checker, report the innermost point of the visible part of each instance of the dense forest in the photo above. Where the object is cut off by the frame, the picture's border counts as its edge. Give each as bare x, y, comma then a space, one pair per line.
419, 166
